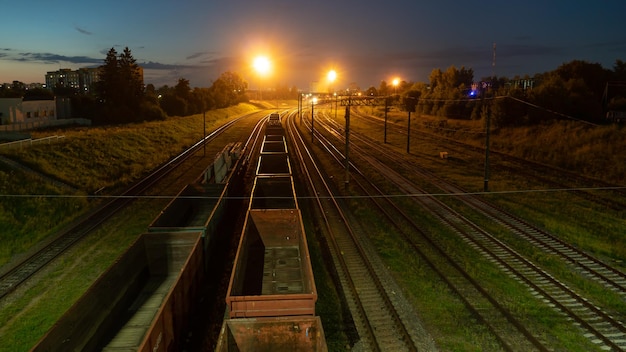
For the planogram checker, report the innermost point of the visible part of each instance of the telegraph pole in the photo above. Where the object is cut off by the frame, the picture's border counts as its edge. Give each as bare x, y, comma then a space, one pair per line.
347, 165
386, 109
408, 134
312, 113
488, 122
203, 129
487, 128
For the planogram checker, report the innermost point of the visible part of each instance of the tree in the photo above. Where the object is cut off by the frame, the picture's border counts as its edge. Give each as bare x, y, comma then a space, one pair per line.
174, 105
120, 89
109, 79
619, 71
38, 94
131, 82
384, 88
371, 91
182, 89
229, 89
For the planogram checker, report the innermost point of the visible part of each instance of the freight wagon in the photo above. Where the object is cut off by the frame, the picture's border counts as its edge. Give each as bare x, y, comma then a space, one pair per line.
140, 303
271, 294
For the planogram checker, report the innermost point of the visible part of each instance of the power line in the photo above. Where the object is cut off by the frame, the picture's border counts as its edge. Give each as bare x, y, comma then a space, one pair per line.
405, 195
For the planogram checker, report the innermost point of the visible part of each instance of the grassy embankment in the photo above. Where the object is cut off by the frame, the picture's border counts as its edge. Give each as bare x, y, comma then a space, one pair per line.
594, 151
89, 159
96, 158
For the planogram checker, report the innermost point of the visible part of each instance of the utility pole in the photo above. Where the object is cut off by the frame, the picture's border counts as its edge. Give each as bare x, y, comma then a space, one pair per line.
204, 130
486, 186
408, 135
347, 165
488, 122
386, 109
312, 114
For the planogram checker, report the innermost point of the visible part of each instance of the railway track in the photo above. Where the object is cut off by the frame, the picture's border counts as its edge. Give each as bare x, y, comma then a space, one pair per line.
612, 196
592, 267
22, 271
601, 328
509, 332
377, 320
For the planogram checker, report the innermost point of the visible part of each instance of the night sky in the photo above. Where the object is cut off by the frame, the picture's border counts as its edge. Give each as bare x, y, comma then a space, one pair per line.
364, 41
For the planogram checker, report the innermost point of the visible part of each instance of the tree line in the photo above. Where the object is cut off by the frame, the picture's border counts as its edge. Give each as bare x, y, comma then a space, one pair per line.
120, 95
578, 90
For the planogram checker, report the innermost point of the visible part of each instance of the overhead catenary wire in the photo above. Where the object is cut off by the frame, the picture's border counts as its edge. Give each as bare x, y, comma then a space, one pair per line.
398, 195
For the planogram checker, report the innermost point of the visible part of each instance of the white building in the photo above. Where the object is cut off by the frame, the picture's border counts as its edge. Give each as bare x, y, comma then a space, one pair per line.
16, 111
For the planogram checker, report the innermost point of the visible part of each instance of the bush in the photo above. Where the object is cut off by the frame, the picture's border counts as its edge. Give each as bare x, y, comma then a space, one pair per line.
152, 112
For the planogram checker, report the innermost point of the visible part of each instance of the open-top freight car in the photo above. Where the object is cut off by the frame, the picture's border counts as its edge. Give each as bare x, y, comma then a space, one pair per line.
274, 119
200, 205
140, 303
271, 294
288, 334
143, 301
272, 275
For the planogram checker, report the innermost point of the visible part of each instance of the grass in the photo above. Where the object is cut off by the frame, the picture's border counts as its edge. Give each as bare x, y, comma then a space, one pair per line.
25, 320
81, 160
92, 159
103, 159
576, 221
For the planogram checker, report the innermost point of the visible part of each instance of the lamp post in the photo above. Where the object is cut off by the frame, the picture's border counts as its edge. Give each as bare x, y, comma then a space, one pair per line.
408, 134
313, 102
386, 110
300, 106
347, 160
331, 76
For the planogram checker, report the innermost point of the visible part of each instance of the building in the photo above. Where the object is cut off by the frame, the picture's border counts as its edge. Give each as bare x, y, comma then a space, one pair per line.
82, 80
16, 111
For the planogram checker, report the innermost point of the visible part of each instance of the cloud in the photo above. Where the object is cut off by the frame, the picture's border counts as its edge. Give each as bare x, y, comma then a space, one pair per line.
54, 58
195, 55
150, 65
83, 31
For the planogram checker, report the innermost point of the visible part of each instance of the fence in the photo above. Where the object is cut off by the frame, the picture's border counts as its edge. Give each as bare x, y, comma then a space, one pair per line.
24, 143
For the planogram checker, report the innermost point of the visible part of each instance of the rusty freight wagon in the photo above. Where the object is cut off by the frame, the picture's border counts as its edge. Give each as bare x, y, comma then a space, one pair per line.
200, 205
141, 303
272, 275
288, 334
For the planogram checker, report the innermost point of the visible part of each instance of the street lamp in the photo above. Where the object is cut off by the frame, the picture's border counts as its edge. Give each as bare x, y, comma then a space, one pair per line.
395, 83
262, 66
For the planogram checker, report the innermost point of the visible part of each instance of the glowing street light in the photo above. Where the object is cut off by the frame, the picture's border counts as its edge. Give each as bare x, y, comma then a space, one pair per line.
395, 83
332, 76
263, 67
313, 102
